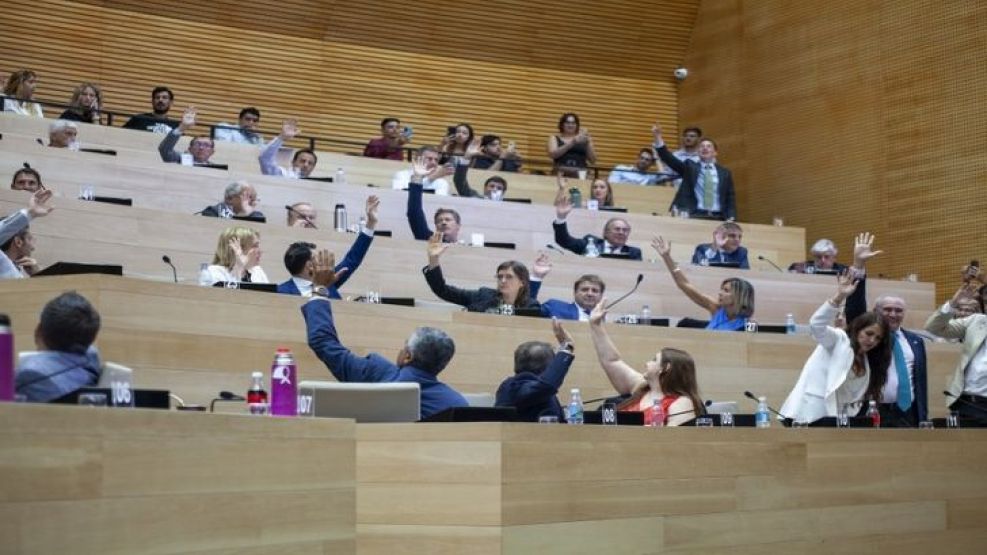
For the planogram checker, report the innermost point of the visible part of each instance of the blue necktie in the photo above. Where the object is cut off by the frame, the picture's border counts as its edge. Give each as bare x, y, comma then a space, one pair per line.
904, 384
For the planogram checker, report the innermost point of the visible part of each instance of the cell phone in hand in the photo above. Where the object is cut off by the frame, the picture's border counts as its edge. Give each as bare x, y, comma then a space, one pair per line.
408, 132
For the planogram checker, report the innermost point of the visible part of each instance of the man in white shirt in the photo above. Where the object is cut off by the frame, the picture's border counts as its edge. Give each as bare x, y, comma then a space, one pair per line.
641, 172
302, 163
968, 385
433, 181
246, 130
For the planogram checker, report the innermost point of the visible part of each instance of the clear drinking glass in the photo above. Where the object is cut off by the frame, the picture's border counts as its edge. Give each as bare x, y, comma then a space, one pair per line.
92, 399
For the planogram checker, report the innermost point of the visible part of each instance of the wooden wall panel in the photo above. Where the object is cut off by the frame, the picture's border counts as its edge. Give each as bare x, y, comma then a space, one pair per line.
849, 116
341, 66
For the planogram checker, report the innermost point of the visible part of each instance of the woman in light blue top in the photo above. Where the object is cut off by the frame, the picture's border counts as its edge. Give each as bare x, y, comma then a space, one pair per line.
732, 307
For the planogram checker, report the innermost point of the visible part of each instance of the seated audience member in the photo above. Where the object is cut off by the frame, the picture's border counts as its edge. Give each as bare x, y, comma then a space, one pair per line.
156, 121
905, 390
447, 220
734, 304
433, 181
848, 367
237, 258
457, 144
16, 241
572, 149
823, 254
586, 293
601, 192
615, 232
201, 148
493, 188
302, 214
492, 156
389, 145
27, 179
513, 285
670, 379
642, 172
300, 263
424, 355
538, 374
87, 100
725, 248
63, 134
245, 132
19, 91
302, 163
239, 200
707, 187
968, 384
67, 360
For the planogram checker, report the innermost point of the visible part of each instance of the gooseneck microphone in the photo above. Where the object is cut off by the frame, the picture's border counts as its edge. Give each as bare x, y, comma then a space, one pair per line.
640, 278
554, 248
230, 396
167, 260
759, 257
754, 398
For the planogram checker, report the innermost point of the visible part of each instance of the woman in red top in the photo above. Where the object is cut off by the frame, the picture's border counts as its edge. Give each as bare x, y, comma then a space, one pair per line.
670, 377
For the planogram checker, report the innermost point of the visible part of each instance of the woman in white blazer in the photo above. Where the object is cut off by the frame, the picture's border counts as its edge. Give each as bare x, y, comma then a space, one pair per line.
848, 367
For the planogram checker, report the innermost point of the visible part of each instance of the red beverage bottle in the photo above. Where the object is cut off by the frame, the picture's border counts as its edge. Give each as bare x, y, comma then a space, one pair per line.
874, 415
256, 396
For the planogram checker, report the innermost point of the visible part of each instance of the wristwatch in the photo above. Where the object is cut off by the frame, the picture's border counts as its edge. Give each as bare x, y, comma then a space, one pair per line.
567, 346
320, 291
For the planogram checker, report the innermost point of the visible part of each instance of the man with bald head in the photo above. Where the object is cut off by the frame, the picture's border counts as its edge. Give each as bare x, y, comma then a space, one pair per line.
904, 398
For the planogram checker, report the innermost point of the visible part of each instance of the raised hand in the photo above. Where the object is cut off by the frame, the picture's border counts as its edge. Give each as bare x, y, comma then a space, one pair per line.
862, 249
289, 129
436, 247
846, 284
971, 273
599, 313
563, 204
373, 203
542, 266
656, 131
661, 246
969, 290
27, 264
188, 118
325, 273
419, 169
561, 335
40, 203
241, 258
473, 150
719, 239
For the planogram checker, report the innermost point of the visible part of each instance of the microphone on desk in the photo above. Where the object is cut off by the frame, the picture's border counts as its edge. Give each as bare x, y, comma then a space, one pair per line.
167, 260
640, 278
230, 396
300, 215
759, 257
554, 248
754, 398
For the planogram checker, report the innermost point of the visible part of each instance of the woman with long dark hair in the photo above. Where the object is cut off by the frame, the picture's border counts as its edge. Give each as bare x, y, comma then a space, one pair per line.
669, 379
847, 368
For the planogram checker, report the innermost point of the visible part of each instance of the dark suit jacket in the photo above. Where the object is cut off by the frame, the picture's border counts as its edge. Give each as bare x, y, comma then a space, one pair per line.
856, 304
554, 308
416, 213
685, 198
475, 300
578, 246
351, 261
534, 394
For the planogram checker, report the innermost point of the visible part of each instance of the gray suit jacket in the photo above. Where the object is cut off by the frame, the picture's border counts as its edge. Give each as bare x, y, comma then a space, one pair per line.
971, 329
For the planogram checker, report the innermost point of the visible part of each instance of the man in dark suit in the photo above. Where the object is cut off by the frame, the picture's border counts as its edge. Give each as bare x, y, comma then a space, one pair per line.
299, 259
615, 233
904, 399
707, 187
586, 293
538, 374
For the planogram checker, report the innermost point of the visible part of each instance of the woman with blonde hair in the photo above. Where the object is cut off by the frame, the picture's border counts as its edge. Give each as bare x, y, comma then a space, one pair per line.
20, 90
669, 379
733, 305
601, 192
237, 258
87, 101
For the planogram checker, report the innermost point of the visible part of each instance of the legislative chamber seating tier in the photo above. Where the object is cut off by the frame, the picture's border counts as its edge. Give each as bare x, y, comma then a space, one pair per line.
142, 148
197, 341
136, 238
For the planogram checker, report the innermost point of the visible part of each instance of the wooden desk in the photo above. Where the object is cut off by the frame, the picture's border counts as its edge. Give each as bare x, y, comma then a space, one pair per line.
535, 488
93, 480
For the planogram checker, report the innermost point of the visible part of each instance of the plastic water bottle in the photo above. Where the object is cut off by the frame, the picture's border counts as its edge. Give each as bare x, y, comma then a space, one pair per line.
284, 386
655, 417
6, 359
340, 177
575, 413
591, 250
257, 395
339, 218
762, 417
790, 324
874, 414
646, 315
